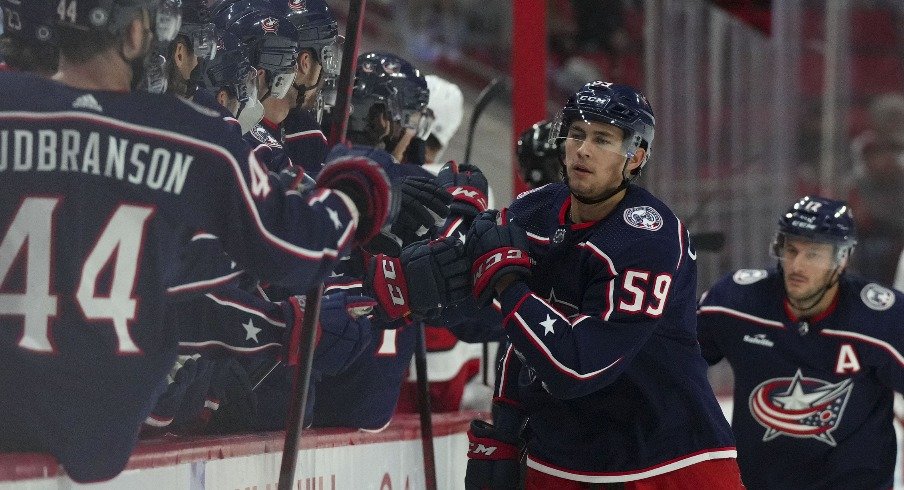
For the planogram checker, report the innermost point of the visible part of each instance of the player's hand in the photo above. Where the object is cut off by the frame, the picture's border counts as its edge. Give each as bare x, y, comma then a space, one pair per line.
343, 333
496, 251
294, 178
366, 184
422, 203
494, 451
418, 285
468, 187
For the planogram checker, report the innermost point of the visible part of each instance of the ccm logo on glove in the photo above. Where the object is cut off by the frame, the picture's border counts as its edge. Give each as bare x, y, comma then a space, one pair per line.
389, 273
490, 260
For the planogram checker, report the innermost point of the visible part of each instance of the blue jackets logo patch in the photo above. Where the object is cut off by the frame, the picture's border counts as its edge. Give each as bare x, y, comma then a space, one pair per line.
643, 217
877, 297
800, 407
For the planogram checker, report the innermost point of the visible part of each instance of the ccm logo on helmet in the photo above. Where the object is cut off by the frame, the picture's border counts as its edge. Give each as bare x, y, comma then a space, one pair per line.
593, 98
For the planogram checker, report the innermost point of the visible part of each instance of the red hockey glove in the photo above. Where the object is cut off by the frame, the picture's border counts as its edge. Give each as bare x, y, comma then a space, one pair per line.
494, 451
468, 187
495, 251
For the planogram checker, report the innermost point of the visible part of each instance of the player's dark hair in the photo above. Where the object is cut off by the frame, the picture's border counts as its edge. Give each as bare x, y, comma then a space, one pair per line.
80, 45
40, 58
433, 143
372, 135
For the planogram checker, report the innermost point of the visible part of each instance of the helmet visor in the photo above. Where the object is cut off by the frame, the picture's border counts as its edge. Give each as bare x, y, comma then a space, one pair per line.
168, 19
331, 57
812, 254
203, 40
281, 83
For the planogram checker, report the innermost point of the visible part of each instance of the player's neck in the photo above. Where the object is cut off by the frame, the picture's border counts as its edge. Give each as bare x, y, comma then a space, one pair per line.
105, 71
583, 213
275, 110
800, 311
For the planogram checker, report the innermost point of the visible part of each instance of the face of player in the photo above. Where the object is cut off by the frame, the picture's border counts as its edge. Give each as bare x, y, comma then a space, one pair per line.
595, 158
808, 267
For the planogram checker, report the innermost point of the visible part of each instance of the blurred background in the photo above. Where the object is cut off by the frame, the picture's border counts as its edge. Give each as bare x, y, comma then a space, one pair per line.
757, 102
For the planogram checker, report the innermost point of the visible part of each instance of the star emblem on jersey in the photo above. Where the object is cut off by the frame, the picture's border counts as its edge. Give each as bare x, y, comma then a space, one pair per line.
334, 215
643, 217
251, 331
800, 407
461, 236
547, 325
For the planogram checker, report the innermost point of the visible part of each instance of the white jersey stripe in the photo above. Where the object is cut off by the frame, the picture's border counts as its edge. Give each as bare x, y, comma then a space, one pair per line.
866, 338
741, 315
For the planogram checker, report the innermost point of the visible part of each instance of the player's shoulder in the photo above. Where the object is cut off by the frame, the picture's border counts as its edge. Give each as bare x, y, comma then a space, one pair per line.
641, 226
301, 120
547, 199
744, 289
872, 306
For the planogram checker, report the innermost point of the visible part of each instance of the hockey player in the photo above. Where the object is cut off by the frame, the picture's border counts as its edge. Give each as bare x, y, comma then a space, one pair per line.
595, 279
318, 62
26, 37
538, 156
816, 355
103, 189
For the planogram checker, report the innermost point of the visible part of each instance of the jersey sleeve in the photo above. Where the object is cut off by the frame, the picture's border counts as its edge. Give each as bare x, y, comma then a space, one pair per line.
286, 237
578, 355
707, 326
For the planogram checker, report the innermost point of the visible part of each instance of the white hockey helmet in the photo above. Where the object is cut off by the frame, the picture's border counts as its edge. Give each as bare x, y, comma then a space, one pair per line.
447, 104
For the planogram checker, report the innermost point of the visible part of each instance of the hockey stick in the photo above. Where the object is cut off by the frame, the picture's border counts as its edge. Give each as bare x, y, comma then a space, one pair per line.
301, 379
423, 395
486, 96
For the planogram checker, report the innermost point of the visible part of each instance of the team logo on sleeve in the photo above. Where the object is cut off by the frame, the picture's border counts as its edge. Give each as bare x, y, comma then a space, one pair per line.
877, 297
749, 276
298, 5
800, 407
643, 217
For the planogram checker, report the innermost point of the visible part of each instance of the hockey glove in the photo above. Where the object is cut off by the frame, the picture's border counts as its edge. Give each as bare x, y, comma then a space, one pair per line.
422, 204
426, 278
495, 251
294, 178
179, 380
343, 333
468, 187
366, 184
493, 451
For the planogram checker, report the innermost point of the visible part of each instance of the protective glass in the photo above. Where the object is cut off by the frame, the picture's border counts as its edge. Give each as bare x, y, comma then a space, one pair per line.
281, 83
168, 20
203, 39
155, 74
246, 88
331, 57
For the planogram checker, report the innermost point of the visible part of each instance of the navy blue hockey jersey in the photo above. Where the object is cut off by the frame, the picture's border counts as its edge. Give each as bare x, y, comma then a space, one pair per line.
304, 140
102, 189
812, 397
614, 382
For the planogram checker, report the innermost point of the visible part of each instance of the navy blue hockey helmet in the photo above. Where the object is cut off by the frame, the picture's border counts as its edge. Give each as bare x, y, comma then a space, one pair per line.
413, 92
270, 40
317, 30
818, 219
230, 67
373, 87
611, 103
538, 155
197, 26
113, 16
27, 21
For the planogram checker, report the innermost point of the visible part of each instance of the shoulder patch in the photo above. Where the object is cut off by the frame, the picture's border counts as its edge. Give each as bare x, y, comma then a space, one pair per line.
877, 297
749, 276
260, 134
643, 217
199, 108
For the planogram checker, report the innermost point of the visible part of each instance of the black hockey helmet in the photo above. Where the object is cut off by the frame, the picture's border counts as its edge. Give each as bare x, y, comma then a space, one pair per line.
538, 155
27, 21
113, 16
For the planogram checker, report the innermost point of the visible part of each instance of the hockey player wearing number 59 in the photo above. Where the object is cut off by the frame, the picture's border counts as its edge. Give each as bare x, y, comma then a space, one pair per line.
816, 354
604, 364
103, 187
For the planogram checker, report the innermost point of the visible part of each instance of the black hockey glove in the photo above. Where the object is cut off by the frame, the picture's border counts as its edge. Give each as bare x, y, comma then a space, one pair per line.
495, 250
468, 187
419, 284
494, 450
366, 184
422, 204
294, 178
